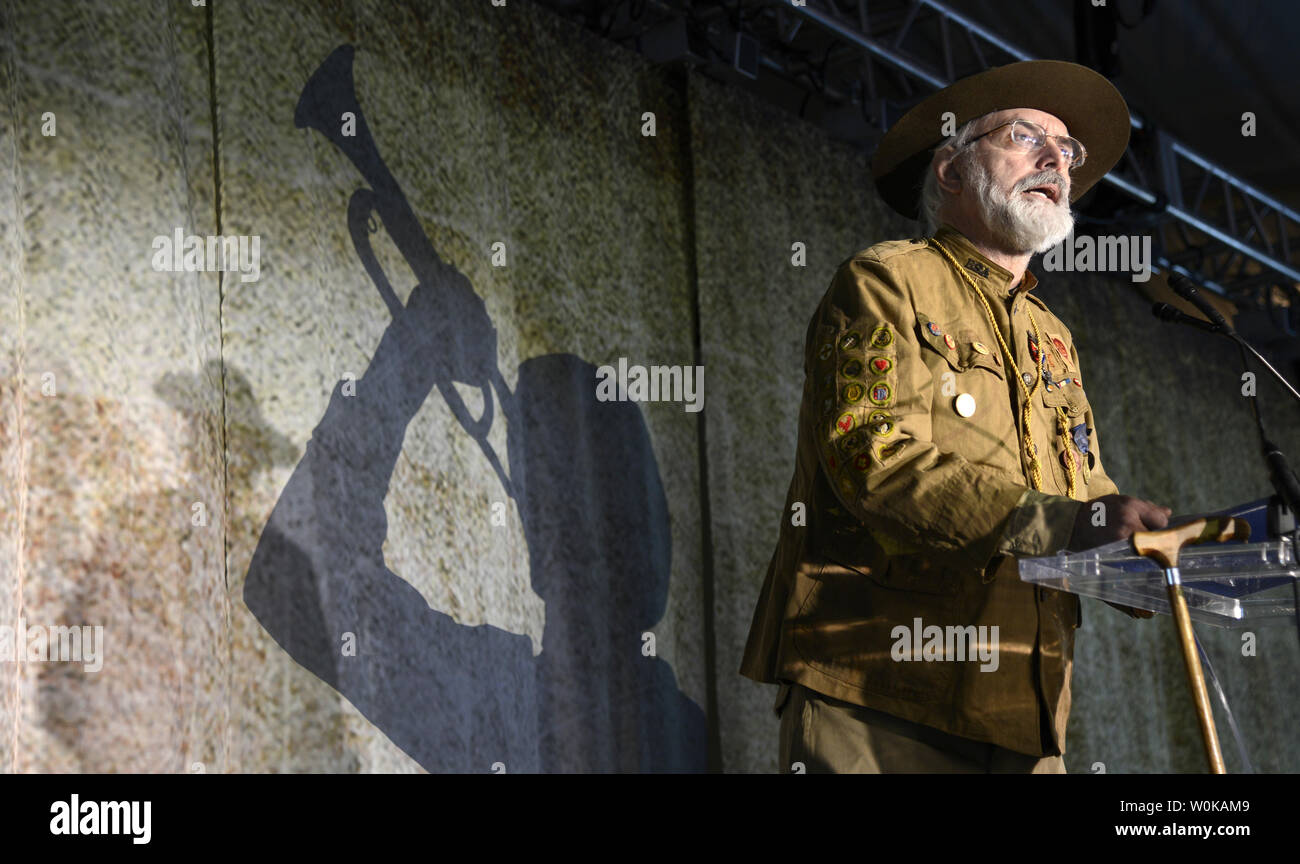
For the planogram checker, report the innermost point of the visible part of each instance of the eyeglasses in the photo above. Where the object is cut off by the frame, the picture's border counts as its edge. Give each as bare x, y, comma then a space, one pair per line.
1030, 136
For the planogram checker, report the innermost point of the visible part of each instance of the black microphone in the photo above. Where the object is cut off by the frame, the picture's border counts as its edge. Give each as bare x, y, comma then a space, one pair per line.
1186, 289
1165, 312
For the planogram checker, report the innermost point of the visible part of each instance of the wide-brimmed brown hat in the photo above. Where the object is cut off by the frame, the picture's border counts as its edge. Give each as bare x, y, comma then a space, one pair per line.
1089, 106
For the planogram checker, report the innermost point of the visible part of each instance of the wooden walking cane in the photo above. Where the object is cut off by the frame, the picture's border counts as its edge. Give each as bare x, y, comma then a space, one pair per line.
1163, 548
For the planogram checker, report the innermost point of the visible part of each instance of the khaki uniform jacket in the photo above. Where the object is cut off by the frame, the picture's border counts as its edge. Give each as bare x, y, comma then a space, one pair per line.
912, 510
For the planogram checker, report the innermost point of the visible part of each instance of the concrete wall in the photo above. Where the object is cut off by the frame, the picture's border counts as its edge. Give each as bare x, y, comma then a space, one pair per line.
306, 551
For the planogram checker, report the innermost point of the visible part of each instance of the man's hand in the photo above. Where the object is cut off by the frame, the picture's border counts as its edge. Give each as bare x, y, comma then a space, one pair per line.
1120, 517
1115, 517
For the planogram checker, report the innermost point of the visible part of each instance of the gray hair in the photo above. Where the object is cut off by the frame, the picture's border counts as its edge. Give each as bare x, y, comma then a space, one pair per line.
931, 195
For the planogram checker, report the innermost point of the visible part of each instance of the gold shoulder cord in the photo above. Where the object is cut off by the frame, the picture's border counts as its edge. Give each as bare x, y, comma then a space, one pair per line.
1035, 467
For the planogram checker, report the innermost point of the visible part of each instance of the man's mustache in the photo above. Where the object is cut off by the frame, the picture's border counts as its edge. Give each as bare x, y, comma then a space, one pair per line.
1045, 178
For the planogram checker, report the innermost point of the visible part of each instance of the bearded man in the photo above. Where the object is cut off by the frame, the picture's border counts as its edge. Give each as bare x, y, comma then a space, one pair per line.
945, 430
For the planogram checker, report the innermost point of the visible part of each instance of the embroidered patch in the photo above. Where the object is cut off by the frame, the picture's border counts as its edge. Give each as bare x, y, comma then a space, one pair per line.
846, 484
892, 450
857, 441
976, 267
1058, 344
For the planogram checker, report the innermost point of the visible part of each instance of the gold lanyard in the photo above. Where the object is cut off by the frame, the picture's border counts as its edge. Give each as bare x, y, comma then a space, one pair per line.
1026, 414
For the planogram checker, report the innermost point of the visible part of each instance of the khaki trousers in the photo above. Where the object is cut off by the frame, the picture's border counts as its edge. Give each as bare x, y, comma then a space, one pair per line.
827, 736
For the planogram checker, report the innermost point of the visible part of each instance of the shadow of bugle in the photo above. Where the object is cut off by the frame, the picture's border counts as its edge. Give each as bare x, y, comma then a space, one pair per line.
470, 339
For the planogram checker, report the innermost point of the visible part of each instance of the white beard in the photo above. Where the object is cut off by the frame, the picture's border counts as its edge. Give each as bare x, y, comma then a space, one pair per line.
1021, 223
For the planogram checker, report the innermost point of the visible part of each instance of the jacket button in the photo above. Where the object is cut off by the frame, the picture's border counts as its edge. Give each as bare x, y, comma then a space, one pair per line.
1028, 379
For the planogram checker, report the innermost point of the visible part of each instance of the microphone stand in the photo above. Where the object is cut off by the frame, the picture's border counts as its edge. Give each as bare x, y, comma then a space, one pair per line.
1246, 346
1282, 507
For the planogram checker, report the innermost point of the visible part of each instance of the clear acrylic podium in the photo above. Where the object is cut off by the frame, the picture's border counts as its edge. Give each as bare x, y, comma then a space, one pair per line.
1230, 584
1204, 568
1225, 584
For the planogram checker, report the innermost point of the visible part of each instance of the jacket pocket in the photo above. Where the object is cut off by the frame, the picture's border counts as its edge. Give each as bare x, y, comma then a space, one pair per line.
1070, 399
917, 573
856, 630
1069, 396
903, 568
968, 349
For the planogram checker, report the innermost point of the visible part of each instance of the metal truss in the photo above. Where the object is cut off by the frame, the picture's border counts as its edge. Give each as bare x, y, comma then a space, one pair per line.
863, 64
1216, 228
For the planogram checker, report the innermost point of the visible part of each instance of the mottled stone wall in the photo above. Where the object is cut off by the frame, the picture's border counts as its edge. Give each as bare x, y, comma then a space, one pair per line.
111, 396
562, 611
238, 480
489, 144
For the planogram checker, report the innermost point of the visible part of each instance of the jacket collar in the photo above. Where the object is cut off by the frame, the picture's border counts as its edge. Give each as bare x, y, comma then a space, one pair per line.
992, 277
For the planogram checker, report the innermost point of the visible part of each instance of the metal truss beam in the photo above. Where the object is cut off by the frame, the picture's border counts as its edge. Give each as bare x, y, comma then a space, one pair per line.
1230, 214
